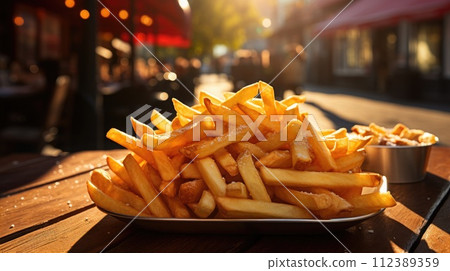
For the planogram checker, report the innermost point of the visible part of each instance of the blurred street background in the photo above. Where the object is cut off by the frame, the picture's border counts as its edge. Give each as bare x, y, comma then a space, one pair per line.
72, 69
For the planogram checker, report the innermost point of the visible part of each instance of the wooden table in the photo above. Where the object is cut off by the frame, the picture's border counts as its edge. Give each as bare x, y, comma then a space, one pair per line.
44, 207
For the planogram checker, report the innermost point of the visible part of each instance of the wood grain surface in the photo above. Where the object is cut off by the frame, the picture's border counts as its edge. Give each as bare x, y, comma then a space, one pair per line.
51, 212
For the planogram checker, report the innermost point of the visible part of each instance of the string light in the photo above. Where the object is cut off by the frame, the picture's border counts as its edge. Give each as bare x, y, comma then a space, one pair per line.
18, 20
84, 14
123, 14
69, 3
104, 12
146, 20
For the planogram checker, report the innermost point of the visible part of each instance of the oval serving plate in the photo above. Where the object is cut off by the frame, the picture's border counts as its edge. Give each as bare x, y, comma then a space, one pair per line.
242, 226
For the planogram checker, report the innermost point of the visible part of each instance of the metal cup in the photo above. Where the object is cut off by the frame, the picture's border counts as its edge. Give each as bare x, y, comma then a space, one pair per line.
400, 164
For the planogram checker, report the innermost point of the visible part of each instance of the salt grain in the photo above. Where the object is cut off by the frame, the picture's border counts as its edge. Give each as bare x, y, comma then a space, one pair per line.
22, 198
68, 202
370, 231
86, 219
12, 226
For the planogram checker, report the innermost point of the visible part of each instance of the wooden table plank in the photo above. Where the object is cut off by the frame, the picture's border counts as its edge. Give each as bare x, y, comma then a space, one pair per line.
19, 178
39, 205
437, 236
396, 230
88, 231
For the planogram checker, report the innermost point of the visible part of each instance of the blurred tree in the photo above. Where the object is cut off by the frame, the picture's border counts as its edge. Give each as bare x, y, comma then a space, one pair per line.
228, 22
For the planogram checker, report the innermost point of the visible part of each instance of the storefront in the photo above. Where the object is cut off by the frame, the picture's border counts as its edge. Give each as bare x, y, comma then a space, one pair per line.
400, 50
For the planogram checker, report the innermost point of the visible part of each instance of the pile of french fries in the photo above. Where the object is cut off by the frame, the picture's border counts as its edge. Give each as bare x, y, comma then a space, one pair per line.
399, 135
239, 172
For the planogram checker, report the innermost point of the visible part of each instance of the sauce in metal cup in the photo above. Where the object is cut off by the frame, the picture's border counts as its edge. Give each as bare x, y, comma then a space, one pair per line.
400, 164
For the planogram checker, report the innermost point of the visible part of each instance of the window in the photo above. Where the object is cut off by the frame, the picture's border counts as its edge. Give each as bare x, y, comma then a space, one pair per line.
425, 48
353, 52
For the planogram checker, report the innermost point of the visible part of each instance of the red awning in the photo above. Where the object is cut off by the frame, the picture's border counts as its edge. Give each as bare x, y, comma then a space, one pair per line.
375, 13
170, 24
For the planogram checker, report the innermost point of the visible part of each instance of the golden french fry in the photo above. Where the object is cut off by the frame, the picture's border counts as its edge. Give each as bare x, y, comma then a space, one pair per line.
161, 122
254, 106
211, 175
245, 94
118, 169
224, 158
176, 124
376, 129
266, 123
303, 199
106, 202
246, 208
339, 133
184, 110
177, 161
226, 114
340, 147
294, 99
339, 206
350, 161
398, 128
276, 159
320, 149
177, 208
240, 147
294, 178
237, 190
279, 139
116, 180
102, 181
184, 121
204, 95
228, 95
268, 97
349, 192
190, 171
208, 146
190, 192
205, 206
131, 143
151, 196
300, 154
140, 128
327, 132
251, 177
356, 143
164, 166
369, 203
151, 174
428, 138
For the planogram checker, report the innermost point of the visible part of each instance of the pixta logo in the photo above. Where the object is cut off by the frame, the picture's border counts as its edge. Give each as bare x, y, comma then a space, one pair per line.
143, 114
234, 127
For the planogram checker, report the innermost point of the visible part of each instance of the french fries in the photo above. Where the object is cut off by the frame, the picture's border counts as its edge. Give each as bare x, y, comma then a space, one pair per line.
205, 206
247, 158
211, 175
294, 178
251, 177
156, 205
237, 190
399, 135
